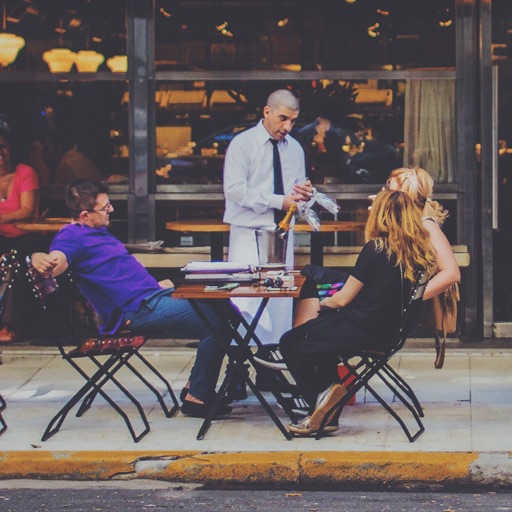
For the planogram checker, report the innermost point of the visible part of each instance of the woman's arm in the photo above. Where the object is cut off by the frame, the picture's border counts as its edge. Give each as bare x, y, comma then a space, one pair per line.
448, 269
345, 296
26, 211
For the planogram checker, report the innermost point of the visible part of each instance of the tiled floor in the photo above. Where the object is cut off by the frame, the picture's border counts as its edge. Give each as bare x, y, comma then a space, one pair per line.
472, 393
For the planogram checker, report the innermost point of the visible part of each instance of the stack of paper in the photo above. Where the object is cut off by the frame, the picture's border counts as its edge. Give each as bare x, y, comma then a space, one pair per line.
217, 267
219, 271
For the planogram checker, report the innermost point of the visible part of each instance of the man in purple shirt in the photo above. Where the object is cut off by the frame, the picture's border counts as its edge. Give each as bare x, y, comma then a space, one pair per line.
124, 294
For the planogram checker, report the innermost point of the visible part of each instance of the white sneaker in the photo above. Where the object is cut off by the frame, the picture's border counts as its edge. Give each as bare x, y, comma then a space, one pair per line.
273, 359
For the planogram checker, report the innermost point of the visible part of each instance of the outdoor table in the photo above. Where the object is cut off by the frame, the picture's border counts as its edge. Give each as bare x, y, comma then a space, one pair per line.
217, 228
44, 225
231, 317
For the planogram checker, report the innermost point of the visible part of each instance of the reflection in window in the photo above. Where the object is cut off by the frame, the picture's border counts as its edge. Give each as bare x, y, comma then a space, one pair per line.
351, 132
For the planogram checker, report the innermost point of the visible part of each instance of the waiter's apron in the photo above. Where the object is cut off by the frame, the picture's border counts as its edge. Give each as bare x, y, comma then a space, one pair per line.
277, 316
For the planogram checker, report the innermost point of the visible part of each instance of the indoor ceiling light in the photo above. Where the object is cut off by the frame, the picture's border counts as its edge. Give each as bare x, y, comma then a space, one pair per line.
445, 18
118, 64
59, 60
88, 61
373, 30
10, 44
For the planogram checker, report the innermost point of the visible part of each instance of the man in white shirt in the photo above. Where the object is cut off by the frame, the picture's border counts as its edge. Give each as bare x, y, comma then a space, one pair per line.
251, 200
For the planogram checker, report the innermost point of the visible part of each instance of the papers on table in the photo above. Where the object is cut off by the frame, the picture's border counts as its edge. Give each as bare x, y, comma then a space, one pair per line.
244, 277
219, 271
217, 267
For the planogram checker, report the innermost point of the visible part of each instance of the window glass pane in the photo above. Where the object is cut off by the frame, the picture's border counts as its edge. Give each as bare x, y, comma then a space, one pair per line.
77, 25
304, 34
48, 119
351, 132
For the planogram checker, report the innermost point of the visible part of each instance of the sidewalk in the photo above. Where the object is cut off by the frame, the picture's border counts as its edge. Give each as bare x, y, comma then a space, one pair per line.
467, 442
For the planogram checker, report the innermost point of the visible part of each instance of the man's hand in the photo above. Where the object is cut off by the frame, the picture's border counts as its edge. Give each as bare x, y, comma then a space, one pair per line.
43, 262
303, 191
166, 283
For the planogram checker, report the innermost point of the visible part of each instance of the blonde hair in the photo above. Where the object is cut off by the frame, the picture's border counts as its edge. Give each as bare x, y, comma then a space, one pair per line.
419, 185
395, 225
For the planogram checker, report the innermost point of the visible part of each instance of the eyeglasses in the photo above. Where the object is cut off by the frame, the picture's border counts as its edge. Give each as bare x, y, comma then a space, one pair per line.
105, 208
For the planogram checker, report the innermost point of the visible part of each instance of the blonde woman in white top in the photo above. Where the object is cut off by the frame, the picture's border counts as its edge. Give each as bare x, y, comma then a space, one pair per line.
419, 185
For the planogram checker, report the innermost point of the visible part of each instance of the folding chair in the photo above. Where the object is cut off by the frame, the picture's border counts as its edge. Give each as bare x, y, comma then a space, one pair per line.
109, 354
373, 363
9, 267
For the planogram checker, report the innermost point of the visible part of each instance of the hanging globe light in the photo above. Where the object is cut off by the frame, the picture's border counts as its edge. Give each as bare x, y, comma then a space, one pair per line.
59, 60
10, 44
88, 61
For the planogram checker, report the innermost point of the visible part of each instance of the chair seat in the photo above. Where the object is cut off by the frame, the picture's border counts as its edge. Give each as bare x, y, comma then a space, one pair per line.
62, 310
107, 345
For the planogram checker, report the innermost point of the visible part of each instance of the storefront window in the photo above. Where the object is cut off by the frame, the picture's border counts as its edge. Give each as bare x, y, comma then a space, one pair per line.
351, 131
301, 35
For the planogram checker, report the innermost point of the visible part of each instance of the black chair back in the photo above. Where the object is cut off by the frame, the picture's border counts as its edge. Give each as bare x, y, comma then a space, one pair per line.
412, 311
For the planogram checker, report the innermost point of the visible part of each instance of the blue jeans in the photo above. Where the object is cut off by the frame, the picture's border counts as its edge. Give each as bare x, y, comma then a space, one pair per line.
161, 314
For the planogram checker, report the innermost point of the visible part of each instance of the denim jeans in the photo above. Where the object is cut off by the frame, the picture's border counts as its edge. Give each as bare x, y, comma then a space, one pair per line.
161, 314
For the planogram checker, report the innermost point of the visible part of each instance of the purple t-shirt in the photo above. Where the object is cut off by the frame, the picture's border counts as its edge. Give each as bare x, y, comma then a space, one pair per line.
111, 279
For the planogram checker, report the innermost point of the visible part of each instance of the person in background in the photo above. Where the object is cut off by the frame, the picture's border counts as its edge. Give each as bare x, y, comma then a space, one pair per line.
418, 184
19, 201
75, 165
366, 312
323, 145
36, 159
124, 294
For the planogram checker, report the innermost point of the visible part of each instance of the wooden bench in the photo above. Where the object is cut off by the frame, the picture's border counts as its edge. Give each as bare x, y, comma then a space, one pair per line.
177, 257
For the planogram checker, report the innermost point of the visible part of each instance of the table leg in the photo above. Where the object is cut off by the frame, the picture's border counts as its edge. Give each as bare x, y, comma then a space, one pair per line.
243, 353
217, 247
317, 248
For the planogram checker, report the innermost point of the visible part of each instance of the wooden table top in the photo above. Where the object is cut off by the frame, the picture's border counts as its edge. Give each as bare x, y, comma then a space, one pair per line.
217, 226
197, 291
51, 224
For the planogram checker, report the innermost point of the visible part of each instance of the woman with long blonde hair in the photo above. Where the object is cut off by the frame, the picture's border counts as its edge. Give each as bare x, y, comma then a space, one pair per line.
367, 311
418, 184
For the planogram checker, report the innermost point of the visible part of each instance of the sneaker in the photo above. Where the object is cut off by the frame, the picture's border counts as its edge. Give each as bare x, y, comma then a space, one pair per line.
326, 400
277, 378
270, 357
304, 427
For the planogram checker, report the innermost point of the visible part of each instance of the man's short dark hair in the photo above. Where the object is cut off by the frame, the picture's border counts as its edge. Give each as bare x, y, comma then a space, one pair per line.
82, 194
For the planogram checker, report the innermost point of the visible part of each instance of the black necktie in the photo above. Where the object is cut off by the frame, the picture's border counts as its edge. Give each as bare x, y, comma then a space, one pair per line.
278, 180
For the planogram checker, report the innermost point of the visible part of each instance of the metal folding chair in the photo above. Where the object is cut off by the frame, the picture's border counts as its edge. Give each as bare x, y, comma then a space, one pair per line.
108, 353
9, 267
375, 363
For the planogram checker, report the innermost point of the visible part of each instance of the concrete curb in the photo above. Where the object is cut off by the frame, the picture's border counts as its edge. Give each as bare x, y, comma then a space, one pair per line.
290, 470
